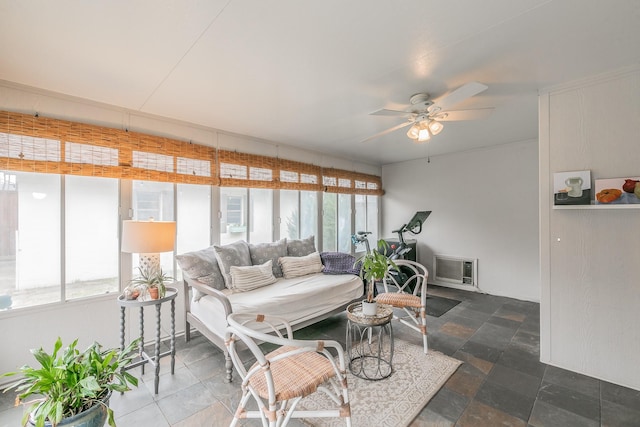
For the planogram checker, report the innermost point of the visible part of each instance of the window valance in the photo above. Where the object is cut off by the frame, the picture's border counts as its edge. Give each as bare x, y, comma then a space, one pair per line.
40, 144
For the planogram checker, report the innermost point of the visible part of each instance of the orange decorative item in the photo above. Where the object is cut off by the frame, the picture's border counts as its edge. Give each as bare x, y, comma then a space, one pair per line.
153, 293
608, 195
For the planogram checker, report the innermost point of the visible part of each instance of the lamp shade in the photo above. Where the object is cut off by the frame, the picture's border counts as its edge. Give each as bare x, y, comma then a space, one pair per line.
148, 236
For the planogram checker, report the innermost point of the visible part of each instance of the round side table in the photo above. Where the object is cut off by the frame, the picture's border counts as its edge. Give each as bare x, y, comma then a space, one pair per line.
170, 295
370, 342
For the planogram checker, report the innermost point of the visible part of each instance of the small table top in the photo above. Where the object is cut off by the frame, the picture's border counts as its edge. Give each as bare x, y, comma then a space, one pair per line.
383, 315
171, 293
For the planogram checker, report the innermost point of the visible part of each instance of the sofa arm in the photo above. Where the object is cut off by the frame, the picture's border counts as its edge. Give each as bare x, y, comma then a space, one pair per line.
207, 290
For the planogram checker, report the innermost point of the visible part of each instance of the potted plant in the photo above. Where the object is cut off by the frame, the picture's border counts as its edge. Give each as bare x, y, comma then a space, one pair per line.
373, 266
152, 281
73, 388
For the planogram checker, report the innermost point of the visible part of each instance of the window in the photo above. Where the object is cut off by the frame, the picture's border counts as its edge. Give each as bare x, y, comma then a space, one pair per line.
233, 221
298, 214
289, 214
308, 214
194, 217
91, 236
366, 218
30, 238
261, 215
344, 223
329, 222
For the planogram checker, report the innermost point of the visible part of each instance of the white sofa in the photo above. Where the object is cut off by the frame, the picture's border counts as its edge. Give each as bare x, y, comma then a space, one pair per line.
301, 300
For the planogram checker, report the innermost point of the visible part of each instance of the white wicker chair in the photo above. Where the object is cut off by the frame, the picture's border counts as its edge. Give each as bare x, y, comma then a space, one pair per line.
410, 296
280, 379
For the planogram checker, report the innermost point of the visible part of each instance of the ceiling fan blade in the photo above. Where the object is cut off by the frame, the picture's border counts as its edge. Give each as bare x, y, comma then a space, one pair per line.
457, 96
457, 115
387, 112
384, 132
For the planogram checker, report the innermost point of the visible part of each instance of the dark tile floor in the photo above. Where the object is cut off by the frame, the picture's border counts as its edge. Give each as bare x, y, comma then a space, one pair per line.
501, 383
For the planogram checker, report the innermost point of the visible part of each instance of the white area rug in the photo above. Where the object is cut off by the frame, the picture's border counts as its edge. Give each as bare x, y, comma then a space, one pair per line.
394, 401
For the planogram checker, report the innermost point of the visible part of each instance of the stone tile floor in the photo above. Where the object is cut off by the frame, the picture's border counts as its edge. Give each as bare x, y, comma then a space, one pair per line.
501, 383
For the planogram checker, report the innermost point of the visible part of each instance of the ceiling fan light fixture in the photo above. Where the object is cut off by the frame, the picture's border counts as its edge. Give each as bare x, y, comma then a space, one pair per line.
414, 131
423, 133
435, 127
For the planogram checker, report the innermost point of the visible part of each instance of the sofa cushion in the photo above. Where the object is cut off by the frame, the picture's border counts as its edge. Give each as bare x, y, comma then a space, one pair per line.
251, 277
300, 266
301, 247
233, 254
202, 266
263, 252
339, 263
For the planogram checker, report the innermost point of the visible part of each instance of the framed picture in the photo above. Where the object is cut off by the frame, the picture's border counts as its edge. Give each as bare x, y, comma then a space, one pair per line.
572, 188
618, 191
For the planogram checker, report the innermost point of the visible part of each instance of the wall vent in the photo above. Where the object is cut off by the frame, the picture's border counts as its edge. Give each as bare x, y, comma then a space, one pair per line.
457, 271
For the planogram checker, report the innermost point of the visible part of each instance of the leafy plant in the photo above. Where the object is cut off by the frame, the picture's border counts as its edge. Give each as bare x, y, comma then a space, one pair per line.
152, 278
374, 265
70, 382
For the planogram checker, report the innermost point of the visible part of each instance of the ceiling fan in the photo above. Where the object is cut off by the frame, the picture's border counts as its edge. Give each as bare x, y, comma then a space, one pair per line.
425, 116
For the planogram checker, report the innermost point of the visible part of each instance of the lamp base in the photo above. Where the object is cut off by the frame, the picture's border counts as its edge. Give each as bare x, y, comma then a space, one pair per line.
150, 262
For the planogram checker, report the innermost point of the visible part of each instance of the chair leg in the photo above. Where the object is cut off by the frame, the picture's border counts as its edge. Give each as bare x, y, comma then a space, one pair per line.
423, 328
228, 364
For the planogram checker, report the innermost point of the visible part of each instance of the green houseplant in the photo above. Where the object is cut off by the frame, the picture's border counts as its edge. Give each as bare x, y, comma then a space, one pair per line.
70, 385
151, 280
373, 266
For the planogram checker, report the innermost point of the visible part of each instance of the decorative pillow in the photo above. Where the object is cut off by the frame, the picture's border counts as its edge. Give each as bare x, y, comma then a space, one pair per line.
201, 266
233, 254
262, 252
339, 263
301, 247
251, 277
300, 266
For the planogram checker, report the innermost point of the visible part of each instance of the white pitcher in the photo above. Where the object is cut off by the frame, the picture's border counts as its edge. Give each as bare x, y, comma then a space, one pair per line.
575, 185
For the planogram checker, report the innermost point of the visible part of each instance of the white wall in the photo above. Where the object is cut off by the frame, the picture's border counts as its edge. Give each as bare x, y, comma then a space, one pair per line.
485, 206
98, 319
590, 257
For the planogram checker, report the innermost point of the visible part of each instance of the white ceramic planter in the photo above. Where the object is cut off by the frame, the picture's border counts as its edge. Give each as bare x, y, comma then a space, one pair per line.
369, 308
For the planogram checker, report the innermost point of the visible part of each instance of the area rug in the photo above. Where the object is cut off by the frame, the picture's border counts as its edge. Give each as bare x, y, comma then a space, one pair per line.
437, 306
394, 401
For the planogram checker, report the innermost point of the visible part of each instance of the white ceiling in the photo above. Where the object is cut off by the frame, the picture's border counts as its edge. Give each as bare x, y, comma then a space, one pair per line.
308, 74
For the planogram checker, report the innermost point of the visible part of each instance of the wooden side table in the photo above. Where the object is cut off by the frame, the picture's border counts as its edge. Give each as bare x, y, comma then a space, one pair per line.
370, 342
170, 295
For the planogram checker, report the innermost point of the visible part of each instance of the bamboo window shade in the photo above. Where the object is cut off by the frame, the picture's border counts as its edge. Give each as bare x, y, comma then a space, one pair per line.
46, 145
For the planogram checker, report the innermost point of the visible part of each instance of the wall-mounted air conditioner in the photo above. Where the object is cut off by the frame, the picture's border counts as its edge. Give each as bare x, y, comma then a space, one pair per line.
455, 271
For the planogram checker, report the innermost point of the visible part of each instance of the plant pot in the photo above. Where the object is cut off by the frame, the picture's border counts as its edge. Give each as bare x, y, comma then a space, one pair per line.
369, 308
96, 416
154, 293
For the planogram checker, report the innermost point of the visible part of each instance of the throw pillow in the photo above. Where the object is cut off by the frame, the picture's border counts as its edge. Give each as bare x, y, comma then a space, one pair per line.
339, 263
300, 266
233, 254
301, 247
251, 277
202, 266
262, 252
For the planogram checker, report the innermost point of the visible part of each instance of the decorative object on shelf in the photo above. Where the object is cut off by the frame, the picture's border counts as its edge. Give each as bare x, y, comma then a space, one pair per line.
618, 191
572, 188
373, 266
150, 284
73, 387
148, 238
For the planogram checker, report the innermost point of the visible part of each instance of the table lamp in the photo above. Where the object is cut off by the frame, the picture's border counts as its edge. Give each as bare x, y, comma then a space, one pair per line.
148, 238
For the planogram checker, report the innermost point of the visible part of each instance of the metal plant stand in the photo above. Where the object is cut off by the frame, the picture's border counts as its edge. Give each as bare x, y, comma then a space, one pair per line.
170, 295
370, 342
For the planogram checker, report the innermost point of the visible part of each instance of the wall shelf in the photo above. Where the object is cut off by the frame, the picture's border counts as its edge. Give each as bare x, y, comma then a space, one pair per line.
633, 206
